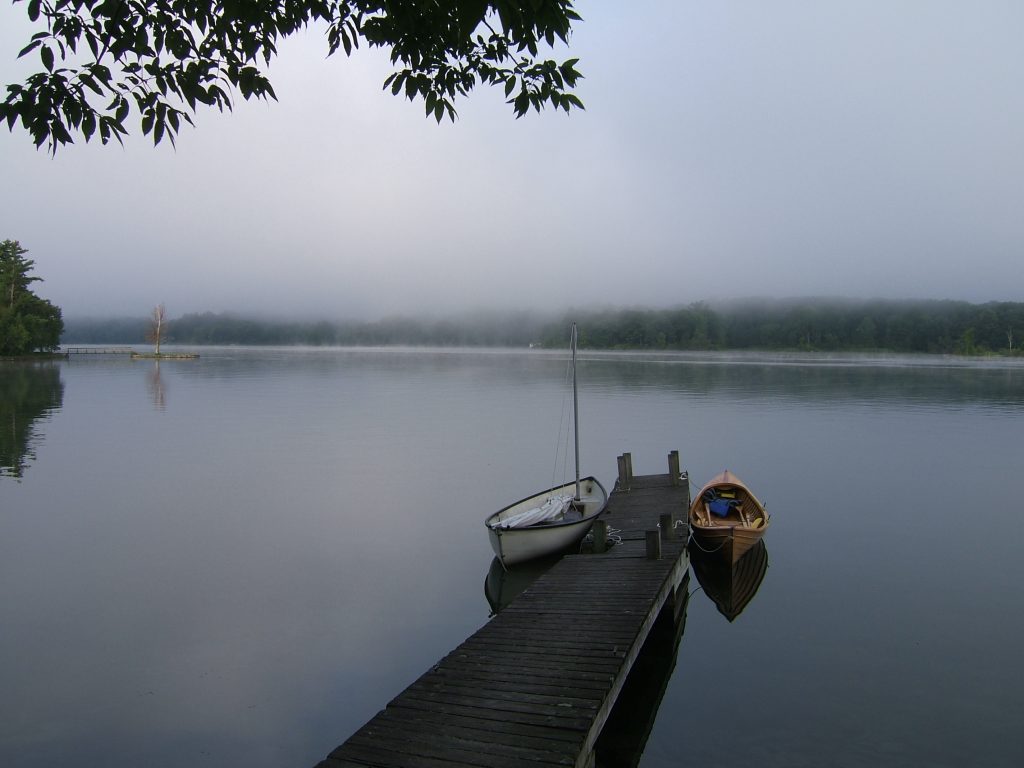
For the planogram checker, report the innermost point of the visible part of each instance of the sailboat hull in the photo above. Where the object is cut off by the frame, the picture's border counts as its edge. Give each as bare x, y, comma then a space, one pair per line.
515, 545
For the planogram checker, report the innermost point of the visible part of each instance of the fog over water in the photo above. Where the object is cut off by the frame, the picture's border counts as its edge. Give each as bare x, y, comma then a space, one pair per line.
728, 149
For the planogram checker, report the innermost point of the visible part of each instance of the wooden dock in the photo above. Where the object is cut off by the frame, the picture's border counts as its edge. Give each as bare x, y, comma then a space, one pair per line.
165, 355
538, 682
68, 351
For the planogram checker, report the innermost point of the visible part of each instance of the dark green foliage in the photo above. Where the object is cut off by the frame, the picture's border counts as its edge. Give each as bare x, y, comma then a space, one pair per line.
28, 391
27, 322
102, 59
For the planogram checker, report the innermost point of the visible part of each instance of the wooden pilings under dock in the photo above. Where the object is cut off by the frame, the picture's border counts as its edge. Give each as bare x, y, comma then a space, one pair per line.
537, 682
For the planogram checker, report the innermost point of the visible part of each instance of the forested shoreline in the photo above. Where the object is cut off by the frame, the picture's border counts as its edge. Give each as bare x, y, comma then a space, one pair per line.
834, 325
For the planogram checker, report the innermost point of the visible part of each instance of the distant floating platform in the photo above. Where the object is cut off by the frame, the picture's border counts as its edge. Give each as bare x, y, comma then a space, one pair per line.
68, 351
164, 355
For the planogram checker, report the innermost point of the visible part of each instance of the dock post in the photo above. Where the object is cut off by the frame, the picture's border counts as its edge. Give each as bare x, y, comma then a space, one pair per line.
673, 467
668, 526
653, 545
600, 536
628, 458
623, 473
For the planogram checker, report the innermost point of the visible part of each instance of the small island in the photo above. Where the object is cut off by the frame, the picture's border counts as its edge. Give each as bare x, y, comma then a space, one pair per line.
154, 335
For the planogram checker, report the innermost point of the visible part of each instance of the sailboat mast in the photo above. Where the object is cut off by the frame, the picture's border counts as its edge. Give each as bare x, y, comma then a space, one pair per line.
575, 412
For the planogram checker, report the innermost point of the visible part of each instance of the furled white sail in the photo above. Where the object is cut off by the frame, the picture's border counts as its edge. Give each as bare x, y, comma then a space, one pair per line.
551, 509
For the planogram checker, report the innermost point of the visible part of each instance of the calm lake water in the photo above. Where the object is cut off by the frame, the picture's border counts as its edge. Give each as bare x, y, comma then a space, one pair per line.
238, 560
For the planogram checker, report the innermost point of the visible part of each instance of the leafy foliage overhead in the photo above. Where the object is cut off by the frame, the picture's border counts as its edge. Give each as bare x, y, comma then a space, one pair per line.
100, 60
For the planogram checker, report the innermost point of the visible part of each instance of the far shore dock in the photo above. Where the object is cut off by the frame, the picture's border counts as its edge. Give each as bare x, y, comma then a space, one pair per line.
67, 352
164, 355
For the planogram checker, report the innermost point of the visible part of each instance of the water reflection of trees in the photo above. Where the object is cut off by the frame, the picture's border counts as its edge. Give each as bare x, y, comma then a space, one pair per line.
814, 380
803, 379
28, 393
157, 388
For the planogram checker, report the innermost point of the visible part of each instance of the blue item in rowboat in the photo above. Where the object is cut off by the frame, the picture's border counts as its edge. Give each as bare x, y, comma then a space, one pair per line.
720, 507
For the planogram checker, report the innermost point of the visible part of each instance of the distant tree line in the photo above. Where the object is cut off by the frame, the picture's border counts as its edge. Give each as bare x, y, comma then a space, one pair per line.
827, 325
939, 327
468, 330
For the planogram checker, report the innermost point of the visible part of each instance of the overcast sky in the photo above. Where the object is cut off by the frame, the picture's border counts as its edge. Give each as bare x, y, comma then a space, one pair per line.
729, 148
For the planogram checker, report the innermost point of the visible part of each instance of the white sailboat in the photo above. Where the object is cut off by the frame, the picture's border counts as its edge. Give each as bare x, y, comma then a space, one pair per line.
551, 520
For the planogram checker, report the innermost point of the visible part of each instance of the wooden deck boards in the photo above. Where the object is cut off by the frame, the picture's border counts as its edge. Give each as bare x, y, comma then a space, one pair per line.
565, 646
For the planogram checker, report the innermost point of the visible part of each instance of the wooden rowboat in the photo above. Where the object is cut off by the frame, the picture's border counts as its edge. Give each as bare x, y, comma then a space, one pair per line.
726, 517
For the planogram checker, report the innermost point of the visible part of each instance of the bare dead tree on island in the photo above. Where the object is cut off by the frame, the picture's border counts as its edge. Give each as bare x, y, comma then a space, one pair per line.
157, 327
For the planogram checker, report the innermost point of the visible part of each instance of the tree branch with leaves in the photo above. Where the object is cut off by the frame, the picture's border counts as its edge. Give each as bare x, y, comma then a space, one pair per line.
102, 60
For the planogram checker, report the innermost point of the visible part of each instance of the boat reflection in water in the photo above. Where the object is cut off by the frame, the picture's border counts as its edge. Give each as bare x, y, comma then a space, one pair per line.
624, 736
503, 584
731, 587
157, 388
